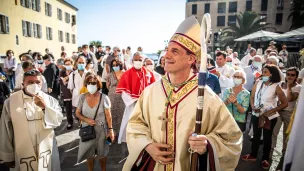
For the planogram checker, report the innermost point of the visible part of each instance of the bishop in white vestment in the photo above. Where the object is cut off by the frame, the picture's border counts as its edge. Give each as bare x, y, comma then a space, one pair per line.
160, 126
27, 129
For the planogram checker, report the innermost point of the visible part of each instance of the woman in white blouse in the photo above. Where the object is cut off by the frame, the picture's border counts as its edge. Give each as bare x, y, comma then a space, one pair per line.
291, 90
265, 95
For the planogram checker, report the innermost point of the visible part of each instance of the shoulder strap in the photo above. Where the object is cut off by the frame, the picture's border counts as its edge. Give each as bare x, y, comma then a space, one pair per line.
74, 78
98, 106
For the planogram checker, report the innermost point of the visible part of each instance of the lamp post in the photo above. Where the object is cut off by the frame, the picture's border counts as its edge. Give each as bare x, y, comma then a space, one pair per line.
219, 36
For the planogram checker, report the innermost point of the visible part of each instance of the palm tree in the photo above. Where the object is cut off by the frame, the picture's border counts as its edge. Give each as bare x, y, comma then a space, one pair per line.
296, 14
95, 43
247, 22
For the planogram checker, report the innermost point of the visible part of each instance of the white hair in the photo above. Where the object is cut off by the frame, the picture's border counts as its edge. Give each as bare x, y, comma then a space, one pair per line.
242, 74
258, 56
273, 59
148, 59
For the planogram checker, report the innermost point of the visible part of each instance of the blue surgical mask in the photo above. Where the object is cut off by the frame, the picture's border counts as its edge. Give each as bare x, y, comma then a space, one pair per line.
116, 69
229, 64
265, 78
40, 61
68, 67
81, 67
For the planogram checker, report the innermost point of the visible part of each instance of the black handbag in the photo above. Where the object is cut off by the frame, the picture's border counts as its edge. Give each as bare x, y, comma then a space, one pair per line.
88, 133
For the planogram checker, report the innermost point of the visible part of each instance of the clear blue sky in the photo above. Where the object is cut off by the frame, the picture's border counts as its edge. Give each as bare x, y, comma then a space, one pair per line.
134, 23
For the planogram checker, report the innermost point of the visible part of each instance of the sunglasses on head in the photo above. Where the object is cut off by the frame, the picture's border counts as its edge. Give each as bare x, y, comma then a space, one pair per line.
31, 73
92, 83
293, 75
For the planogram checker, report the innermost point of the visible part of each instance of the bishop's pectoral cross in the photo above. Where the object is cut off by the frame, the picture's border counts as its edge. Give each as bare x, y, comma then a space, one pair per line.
164, 120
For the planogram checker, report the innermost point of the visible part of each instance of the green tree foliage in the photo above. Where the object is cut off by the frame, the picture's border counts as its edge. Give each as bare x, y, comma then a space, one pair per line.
296, 14
246, 23
96, 43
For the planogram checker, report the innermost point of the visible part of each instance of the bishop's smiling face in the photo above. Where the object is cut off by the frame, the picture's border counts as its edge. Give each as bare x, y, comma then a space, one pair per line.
177, 59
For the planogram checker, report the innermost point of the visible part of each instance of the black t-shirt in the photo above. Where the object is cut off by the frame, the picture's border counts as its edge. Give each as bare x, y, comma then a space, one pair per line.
99, 55
160, 70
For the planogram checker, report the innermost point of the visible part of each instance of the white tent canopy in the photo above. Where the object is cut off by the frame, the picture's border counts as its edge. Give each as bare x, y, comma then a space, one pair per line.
259, 35
298, 33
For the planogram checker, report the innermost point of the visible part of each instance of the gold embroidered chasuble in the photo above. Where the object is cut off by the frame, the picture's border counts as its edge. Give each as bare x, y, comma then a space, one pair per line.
145, 125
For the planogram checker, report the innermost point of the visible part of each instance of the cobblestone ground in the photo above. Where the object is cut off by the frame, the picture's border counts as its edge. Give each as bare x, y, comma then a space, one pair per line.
68, 149
68, 141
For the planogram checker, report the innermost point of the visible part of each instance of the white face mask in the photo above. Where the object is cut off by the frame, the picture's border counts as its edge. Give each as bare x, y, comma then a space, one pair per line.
137, 64
92, 89
33, 89
237, 81
91, 66
150, 67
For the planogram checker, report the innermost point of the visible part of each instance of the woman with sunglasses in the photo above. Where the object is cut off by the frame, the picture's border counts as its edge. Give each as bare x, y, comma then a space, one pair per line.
91, 103
291, 90
113, 79
265, 96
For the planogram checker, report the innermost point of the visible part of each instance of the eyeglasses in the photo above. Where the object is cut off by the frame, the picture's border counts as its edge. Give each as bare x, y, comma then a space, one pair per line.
293, 75
92, 83
32, 73
236, 76
229, 61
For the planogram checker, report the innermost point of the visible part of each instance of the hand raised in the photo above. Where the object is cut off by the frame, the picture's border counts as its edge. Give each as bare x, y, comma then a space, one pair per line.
38, 100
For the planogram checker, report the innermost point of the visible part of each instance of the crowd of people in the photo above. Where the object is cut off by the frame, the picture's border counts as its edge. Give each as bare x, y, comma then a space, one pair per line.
107, 90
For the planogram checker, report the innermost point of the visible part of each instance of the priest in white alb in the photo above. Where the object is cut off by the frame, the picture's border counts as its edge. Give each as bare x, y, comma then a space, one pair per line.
224, 71
159, 132
27, 125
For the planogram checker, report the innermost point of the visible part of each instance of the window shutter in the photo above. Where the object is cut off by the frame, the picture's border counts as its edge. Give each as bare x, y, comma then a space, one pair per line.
34, 30
57, 13
22, 2
50, 10
59, 35
30, 4
38, 6
51, 34
34, 7
39, 31
46, 8
23, 28
7, 29
47, 33
30, 29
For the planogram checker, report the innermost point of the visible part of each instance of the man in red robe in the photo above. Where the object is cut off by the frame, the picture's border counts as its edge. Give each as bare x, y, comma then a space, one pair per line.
131, 85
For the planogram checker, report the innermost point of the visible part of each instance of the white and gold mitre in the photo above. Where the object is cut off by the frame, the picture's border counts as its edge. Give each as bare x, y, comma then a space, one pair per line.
187, 35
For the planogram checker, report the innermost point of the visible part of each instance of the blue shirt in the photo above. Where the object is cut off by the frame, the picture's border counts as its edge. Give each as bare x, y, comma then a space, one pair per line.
214, 83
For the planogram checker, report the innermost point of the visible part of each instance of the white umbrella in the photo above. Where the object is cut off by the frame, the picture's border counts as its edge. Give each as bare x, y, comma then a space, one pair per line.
259, 35
297, 33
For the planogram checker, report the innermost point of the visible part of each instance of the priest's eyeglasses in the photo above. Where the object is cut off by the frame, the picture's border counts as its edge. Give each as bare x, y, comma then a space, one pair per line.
92, 83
